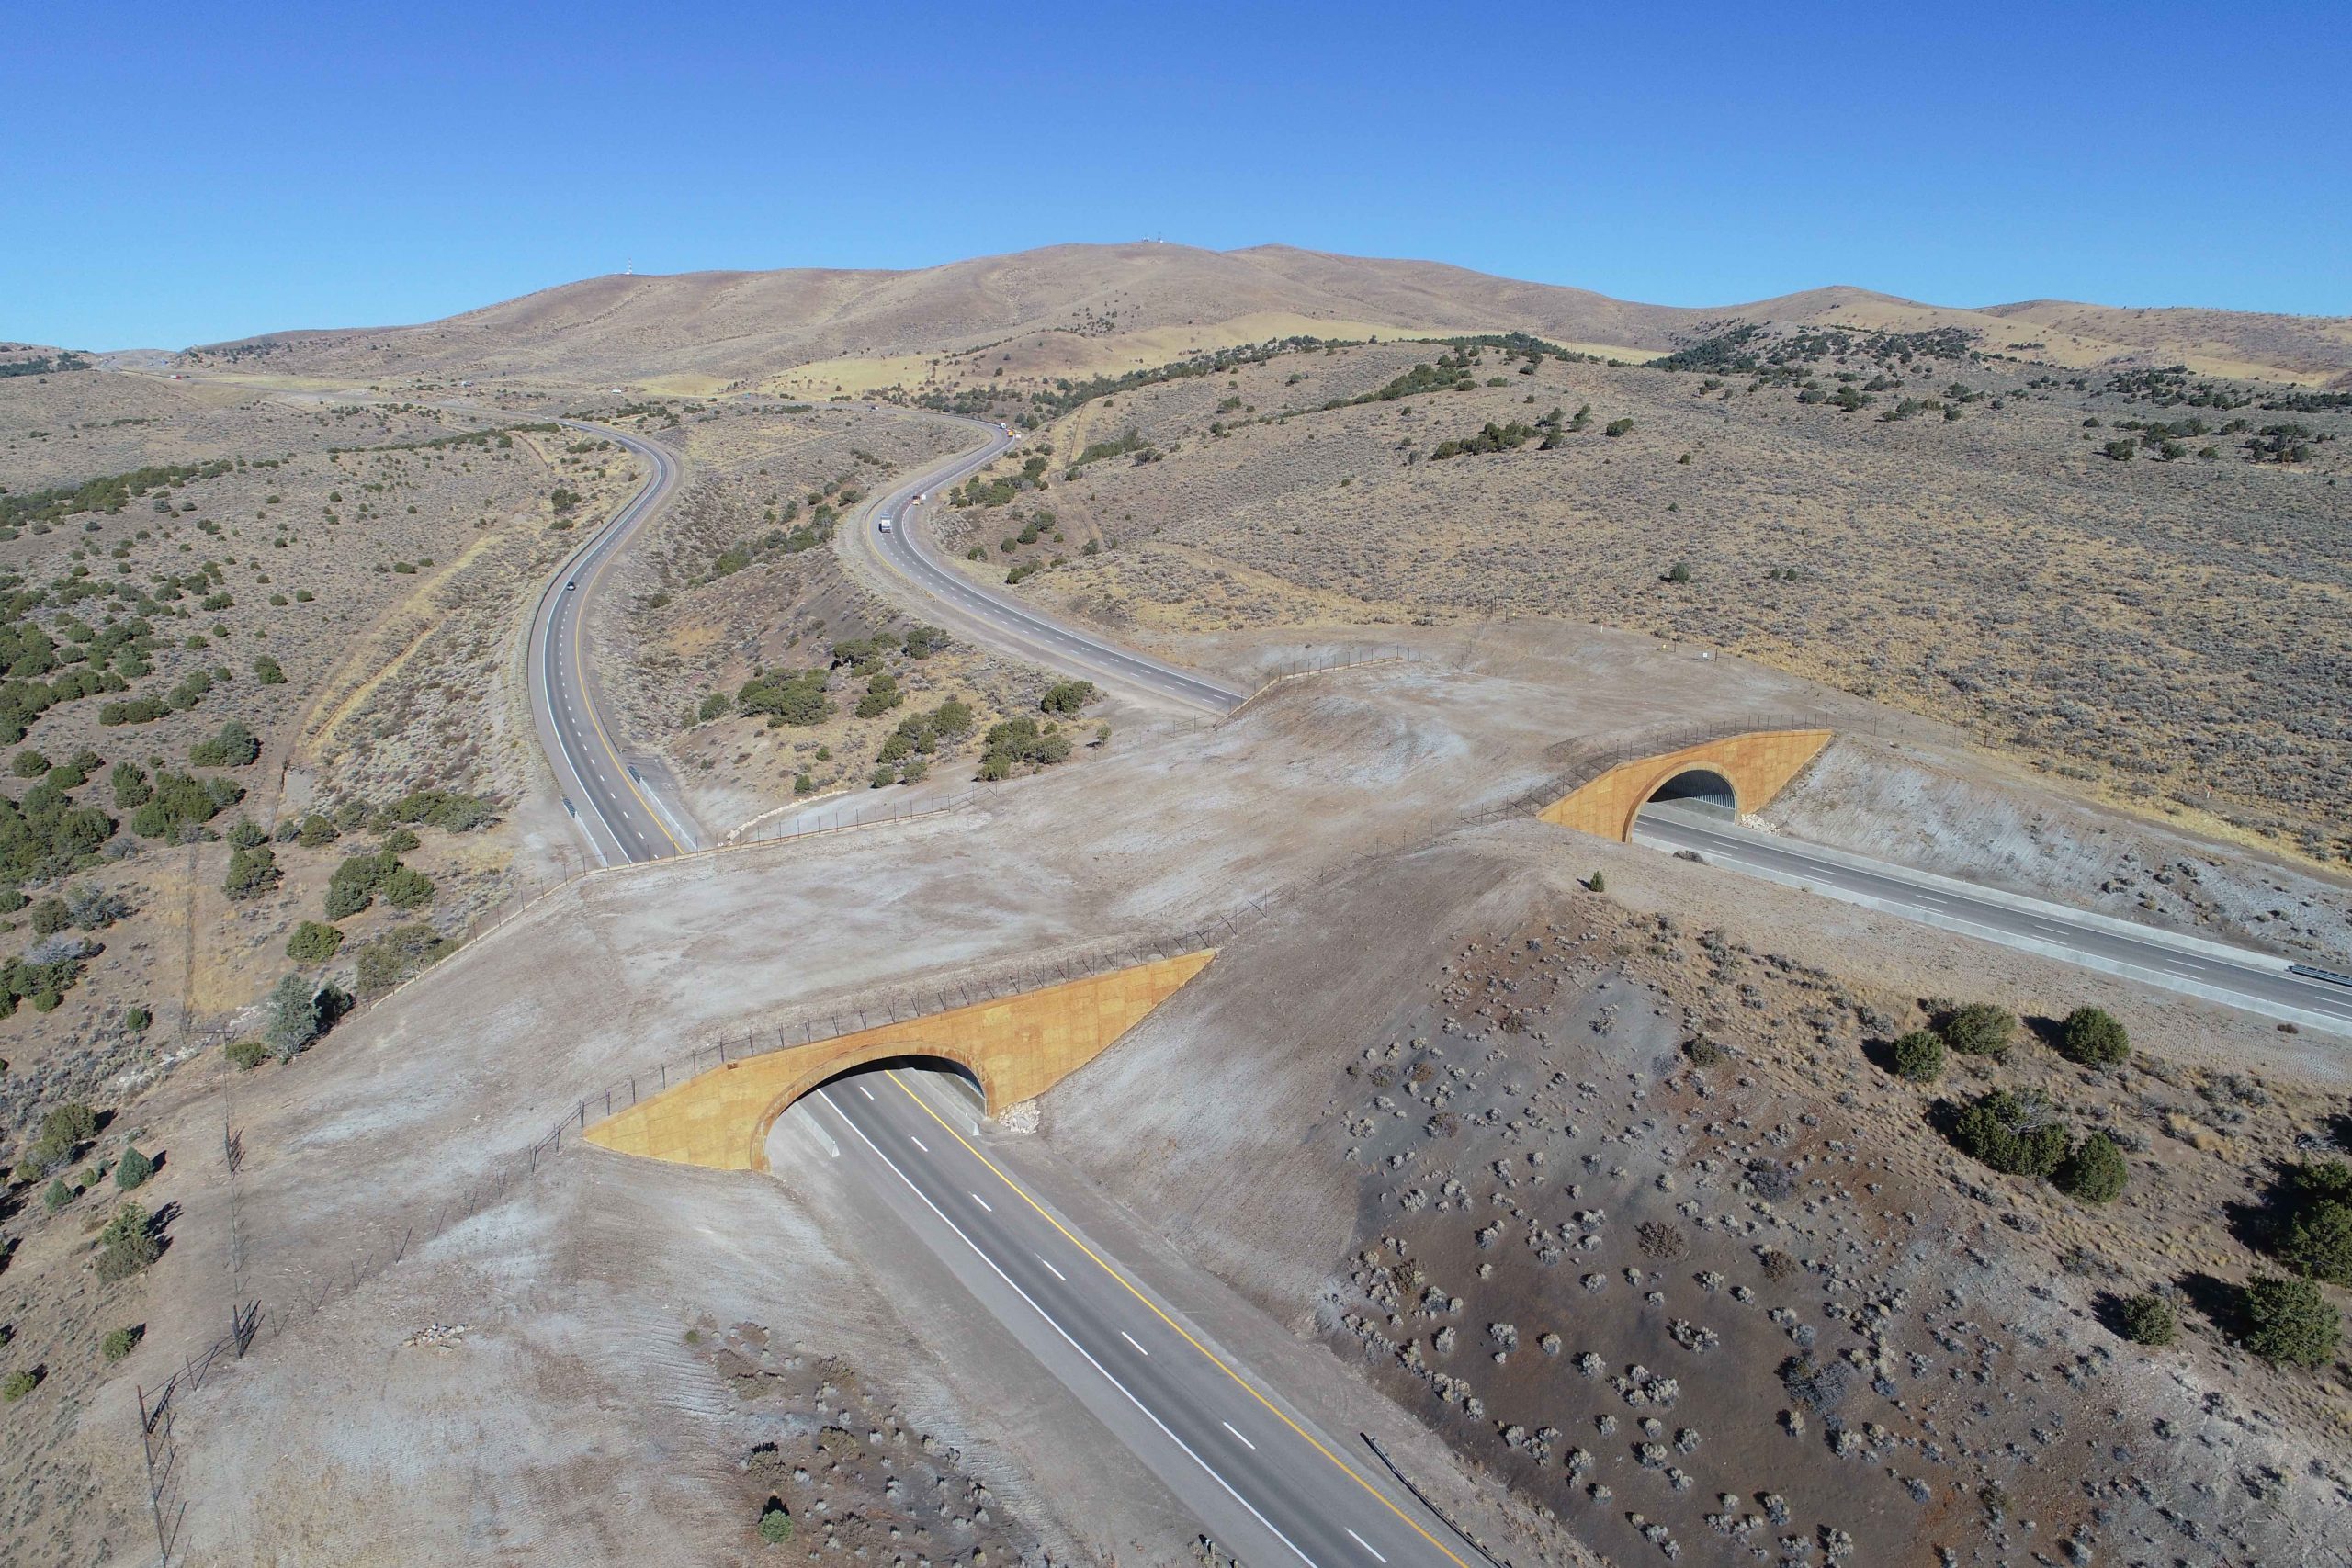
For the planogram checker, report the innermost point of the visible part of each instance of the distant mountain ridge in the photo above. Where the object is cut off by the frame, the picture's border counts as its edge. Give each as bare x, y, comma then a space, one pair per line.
1130, 302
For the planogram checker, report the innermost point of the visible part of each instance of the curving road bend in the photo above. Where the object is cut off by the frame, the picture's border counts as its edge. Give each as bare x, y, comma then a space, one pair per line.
618, 815
625, 820
988, 615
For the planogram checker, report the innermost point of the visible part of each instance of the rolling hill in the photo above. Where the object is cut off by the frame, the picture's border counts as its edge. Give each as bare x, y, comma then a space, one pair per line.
1080, 309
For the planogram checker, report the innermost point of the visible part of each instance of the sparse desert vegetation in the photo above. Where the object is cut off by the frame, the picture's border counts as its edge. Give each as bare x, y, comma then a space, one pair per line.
1680, 1238
2159, 631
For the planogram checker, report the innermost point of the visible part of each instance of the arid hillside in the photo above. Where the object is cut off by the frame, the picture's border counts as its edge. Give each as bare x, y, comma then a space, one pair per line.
1086, 310
2134, 579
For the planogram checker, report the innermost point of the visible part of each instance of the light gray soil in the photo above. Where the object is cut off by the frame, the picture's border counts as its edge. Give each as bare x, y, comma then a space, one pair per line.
1962, 818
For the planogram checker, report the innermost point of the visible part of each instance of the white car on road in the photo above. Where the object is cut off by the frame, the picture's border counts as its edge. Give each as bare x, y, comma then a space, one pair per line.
884, 525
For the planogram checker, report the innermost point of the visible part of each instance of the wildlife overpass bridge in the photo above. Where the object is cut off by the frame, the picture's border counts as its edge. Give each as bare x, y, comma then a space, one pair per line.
1736, 773
1014, 1048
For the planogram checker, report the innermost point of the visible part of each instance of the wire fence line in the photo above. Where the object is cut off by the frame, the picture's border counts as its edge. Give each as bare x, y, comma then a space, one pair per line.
845, 819
159, 1413
973, 984
1321, 663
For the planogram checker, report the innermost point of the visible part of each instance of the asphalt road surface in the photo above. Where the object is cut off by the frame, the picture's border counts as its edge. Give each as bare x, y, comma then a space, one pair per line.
993, 615
621, 818
1271, 1488
2250, 981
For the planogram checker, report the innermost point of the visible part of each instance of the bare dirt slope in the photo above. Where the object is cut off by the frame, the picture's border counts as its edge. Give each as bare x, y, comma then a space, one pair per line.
729, 327
1731, 1296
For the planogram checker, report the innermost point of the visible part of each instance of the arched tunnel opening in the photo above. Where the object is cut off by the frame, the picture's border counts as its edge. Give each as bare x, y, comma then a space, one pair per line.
947, 1078
913, 1093
1696, 791
939, 1082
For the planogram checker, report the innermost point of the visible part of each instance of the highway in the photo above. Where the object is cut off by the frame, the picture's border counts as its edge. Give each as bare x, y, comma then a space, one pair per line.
1268, 1488
626, 821
984, 613
622, 820
2237, 977
1226, 1447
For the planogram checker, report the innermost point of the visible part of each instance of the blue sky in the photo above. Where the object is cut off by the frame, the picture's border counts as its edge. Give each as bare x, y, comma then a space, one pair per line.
183, 173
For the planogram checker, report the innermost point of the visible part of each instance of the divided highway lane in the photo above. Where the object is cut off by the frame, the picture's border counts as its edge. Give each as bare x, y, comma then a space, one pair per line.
621, 819
2251, 980
1219, 1429
991, 615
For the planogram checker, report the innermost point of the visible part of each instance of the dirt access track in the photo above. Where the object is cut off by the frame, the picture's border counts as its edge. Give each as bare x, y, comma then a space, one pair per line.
378, 1193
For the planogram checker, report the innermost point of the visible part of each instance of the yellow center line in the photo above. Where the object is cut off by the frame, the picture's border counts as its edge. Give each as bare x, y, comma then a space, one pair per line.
1239, 1382
580, 673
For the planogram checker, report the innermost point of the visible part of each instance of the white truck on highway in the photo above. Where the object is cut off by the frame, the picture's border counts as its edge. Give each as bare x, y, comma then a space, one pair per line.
884, 525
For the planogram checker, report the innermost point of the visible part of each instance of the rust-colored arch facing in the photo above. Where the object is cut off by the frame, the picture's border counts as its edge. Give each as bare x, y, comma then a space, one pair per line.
1017, 1047
1757, 766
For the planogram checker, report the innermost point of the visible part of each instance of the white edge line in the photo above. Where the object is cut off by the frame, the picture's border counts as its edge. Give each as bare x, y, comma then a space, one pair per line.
1073, 1344
2130, 969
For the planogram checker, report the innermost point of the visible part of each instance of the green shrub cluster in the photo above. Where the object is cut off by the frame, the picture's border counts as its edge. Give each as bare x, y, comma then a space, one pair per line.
234, 747
2092, 1037
127, 1244
400, 953
2093, 1172
354, 884
43, 973
108, 493
295, 1014
1919, 1057
314, 942
797, 699
177, 804
2149, 1319
447, 810
1493, 437
131, 1171
882, 694
44, 833
922, 734
1066, 696
253, 871
2019, 1133
1979, 1029
1019, 742
2313, 1232
2289, 1321
63, 1132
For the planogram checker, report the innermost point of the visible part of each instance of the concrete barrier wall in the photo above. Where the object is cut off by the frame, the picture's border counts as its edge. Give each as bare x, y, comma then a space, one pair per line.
1758, 767
1017, 1046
